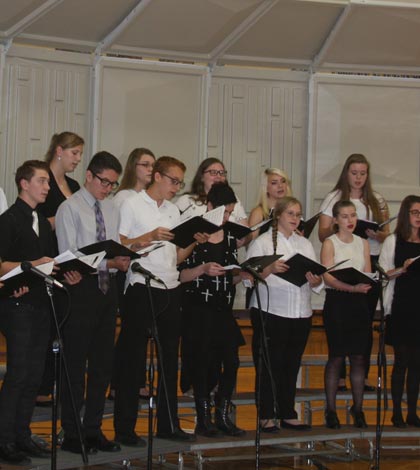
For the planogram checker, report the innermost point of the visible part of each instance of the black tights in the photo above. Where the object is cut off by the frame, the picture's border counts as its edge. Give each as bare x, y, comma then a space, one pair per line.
357, 380
407, 360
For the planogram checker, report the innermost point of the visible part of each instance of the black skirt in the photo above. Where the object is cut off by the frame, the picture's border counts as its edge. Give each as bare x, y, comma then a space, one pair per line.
347, 323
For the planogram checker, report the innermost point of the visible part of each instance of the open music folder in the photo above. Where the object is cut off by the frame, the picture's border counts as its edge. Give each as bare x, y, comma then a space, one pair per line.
363, 225
111, 248
240, 231
353, 276
299, 265
307, 226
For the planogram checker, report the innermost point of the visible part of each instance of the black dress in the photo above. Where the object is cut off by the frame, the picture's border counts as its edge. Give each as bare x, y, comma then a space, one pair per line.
403, 325
209, 327
347, 322
209, 299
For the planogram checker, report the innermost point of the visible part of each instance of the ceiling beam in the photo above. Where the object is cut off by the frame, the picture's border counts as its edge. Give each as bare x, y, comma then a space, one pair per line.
25, 22
241, 29
124, 24
319, 58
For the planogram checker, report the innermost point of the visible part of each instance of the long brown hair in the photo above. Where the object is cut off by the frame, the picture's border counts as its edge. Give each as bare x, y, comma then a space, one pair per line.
65, 140
368, 198
129, 179
197, 185
403, 228
281, 206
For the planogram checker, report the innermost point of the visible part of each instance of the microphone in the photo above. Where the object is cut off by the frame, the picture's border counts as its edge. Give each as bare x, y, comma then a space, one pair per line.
27, 267
381, 271
254, 273
138, 268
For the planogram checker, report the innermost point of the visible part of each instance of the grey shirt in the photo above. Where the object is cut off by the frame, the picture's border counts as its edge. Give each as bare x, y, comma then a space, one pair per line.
75, 222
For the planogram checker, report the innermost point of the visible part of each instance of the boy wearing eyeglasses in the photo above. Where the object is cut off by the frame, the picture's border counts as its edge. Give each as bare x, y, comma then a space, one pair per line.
84, 218
146, 217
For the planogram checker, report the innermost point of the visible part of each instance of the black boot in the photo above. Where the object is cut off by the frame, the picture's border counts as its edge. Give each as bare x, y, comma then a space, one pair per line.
204, 426
223, 421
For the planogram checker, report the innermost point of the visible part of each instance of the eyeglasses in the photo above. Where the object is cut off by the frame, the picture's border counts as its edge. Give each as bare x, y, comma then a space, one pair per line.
145, 164
415, 213
298, 215
216, 172
105, 182
175, 181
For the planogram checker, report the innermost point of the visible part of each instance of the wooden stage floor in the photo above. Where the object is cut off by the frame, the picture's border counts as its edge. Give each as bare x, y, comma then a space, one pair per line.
354, 456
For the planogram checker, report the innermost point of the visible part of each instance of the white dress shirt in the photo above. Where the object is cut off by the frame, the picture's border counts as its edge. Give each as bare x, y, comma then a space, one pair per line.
141, 214
285, 299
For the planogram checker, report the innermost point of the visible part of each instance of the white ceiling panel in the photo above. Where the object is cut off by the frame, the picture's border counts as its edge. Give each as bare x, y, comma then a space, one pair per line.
13, 12
383, 36
84, 20
194, 26
291, 30
367, 35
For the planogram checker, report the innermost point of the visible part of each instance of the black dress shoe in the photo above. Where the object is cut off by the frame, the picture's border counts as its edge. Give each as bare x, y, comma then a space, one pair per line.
413, 420
73, 445
358, 418
296, 427
102, 443
369, 388
11, 454
270, 429
177, 435
398, 421
331, 420
33, 449
130, 440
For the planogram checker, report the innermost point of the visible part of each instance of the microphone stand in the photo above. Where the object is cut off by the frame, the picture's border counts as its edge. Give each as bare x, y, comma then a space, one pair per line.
263, 347
154, 341
381, 388
60, 359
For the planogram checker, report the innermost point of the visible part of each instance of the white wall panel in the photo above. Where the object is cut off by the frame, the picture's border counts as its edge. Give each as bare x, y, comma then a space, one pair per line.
379, 118
159, 109
40, 97
264, 124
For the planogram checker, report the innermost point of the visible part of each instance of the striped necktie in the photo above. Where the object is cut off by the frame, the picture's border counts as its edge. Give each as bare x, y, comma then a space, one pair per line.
103, 274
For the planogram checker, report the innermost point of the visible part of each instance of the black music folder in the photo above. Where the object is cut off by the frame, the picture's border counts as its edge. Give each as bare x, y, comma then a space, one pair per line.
240, 231
307, 226
299, 265
363, 225
414, 266
112, 249
259, 263
24, 279
72, 265
353, 276
185, 231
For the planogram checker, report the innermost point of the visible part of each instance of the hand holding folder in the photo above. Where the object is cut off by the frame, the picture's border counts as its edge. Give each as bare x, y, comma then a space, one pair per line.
363, 225
353, 276
299, 265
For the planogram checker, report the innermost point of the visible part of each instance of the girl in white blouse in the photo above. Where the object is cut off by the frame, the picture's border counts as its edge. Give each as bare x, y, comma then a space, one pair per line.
287, 317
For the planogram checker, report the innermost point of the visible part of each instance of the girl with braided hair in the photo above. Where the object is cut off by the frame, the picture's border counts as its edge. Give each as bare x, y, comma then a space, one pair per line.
286, 313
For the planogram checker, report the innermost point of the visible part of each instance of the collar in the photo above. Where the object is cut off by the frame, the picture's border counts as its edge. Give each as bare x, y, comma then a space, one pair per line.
152, 201
24, 207
87, 196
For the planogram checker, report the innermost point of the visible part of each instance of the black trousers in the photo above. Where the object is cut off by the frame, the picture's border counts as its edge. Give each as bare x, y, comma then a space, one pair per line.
26, 329
286, 338
88, 337
132, 345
